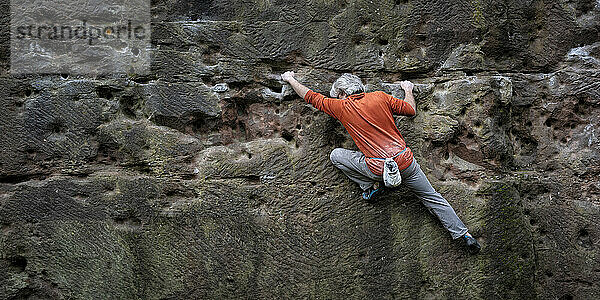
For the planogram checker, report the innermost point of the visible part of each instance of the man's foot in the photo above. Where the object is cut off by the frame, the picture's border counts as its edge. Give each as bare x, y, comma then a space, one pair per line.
372, 192
472, 245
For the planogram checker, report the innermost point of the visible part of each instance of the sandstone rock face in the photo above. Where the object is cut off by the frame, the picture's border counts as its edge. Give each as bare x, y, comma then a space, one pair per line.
209, 178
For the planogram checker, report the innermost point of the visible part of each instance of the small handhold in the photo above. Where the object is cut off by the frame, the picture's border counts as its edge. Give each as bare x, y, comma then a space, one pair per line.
221, 88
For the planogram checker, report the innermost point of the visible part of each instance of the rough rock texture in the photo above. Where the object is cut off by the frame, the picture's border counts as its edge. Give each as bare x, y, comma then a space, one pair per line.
211, 179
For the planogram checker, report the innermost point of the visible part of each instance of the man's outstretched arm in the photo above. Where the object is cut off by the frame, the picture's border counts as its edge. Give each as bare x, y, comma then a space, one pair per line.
300, 89
328, 105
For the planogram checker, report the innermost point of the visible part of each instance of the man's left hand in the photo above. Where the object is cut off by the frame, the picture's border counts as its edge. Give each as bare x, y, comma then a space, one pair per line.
287, 76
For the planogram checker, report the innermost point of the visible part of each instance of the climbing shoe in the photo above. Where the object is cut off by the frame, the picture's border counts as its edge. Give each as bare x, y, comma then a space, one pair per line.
372, 192
471, 243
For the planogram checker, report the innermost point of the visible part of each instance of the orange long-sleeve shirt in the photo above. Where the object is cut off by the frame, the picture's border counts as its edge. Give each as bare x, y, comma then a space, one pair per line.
368, 118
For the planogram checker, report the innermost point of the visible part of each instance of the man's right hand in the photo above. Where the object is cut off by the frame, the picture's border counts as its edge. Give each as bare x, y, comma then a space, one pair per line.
407, 86
287, 76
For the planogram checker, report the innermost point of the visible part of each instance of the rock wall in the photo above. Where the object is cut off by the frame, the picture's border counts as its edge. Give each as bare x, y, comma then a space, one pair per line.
209, 178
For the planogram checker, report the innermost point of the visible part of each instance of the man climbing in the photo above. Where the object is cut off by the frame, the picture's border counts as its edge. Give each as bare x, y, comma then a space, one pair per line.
368, 118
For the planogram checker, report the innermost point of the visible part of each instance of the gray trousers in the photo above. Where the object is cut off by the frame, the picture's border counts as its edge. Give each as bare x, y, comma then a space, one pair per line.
353, 164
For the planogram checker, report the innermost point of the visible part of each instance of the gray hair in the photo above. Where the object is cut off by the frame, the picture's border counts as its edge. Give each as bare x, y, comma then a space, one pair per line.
348, 84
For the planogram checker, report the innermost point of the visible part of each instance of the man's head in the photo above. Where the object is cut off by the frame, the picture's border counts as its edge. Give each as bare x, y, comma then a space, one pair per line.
346, 85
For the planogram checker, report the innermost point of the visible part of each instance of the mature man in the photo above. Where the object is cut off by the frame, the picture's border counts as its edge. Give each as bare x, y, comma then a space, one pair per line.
368, 118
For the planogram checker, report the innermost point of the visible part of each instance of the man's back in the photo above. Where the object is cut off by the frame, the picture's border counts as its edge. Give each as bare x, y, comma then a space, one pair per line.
368, 118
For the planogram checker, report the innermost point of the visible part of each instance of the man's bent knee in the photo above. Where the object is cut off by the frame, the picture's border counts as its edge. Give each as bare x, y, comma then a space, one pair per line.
336, 155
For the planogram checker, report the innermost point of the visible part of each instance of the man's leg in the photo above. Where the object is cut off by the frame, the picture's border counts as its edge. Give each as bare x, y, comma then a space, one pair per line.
415, 180
353, 164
